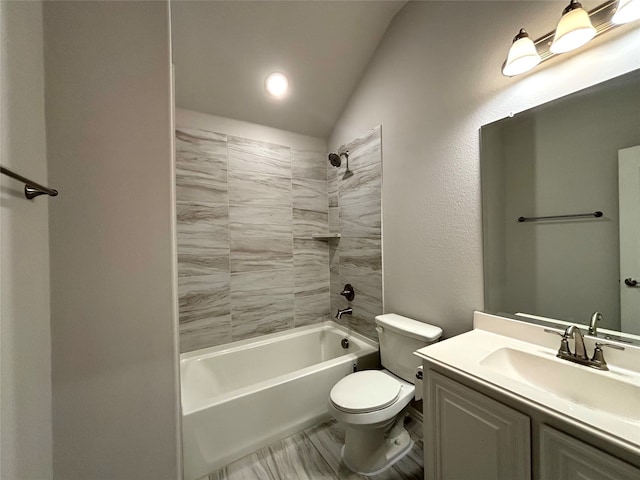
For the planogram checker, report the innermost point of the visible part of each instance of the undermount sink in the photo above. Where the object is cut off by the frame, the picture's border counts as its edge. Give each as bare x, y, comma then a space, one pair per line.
612, 392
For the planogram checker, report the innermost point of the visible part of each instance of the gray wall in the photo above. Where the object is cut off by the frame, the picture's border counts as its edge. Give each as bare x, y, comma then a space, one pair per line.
25, 336
432, 92
561, 269
247, 210
355, 212
113, 271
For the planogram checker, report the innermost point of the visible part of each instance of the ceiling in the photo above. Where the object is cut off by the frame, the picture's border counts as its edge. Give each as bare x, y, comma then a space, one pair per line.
224, 50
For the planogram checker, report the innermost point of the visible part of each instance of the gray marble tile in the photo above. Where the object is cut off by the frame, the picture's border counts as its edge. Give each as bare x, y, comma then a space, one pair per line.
253, 254
201, 166
310, 253
261, 302
332, 186
203, 238
362, 255
365, 184
361, 219
307, 223
203, 296
258, 157
364, 144
311, 295
205, 311
312, 307
312, 455
334, 219
256, 221
205, 333
310, 195
259, 189
306, 164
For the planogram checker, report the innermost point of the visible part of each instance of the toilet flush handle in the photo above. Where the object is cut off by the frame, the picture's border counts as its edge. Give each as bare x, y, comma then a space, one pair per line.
380, 330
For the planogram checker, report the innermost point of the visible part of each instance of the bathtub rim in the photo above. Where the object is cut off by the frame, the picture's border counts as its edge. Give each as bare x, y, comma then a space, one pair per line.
271, 337
367, 347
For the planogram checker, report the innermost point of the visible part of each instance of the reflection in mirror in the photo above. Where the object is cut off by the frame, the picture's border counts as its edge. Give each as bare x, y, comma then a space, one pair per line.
563, 158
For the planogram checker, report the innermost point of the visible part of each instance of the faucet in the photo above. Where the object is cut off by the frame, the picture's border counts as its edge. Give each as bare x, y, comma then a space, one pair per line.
596, 317
344, 311
580, 355
574, 332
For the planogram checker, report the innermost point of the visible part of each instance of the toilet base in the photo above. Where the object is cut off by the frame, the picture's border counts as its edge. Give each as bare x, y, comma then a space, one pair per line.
369, 451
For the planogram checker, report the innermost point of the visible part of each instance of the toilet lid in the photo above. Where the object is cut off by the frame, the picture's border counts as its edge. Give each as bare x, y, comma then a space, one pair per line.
365, 391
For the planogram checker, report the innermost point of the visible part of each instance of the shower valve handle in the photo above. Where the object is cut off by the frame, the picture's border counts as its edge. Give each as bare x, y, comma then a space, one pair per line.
348, 292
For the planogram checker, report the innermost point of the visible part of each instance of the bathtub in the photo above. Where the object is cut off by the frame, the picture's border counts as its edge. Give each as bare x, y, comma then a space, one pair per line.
242, 396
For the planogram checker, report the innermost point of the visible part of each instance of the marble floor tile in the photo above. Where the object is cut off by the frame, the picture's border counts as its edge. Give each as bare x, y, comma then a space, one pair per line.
314, 454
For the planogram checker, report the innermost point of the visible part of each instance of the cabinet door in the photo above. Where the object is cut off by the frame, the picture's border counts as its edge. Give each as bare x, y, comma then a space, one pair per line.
565, 458
471, 436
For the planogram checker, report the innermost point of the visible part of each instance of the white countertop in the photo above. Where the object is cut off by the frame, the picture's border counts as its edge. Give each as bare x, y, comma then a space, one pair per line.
464, 353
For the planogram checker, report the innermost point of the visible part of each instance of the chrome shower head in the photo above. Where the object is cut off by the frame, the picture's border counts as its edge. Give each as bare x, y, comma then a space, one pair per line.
335, 159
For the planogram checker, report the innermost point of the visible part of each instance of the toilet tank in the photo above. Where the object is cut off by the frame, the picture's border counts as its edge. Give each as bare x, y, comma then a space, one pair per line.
401, 336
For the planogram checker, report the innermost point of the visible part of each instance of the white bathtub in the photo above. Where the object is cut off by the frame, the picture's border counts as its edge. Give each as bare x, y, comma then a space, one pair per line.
239, 397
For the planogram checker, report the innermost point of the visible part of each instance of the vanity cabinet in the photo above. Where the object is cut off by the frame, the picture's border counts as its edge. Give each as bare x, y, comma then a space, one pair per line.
563, 457
471, 436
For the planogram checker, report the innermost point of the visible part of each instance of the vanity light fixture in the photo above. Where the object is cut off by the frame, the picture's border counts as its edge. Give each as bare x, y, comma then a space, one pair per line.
276, 84
575, 28
627, 11
522, 55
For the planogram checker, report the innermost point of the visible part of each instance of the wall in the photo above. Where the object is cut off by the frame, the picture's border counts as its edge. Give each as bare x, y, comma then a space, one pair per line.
355, 213
247, 209
25, 336
547, 172
431, 92
113, 269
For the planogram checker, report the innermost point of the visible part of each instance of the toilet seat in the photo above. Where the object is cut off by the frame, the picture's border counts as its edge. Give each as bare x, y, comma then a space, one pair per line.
364, 392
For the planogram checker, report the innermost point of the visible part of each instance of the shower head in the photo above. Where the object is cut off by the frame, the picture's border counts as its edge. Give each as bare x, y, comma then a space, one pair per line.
335, 159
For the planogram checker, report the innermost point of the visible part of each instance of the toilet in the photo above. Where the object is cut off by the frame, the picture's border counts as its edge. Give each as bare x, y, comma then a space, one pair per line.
370, 404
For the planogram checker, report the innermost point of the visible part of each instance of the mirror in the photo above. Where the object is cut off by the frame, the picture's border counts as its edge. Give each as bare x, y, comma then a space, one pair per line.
562, 159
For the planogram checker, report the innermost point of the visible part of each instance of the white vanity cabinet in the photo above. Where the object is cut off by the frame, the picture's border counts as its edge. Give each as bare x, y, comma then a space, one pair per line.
563, 457
474, 436
471, 436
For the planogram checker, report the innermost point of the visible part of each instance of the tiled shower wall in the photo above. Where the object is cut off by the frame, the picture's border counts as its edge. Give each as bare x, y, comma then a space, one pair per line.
247, 262
355, 212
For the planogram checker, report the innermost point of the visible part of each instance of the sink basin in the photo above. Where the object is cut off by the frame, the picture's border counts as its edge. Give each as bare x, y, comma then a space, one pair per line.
612, 392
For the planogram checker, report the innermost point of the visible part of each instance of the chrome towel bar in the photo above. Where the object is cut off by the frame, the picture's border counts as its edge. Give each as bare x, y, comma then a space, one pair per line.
31, 189
597, 214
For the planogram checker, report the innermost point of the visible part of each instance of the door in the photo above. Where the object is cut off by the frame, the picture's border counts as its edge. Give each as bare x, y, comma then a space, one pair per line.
629, 211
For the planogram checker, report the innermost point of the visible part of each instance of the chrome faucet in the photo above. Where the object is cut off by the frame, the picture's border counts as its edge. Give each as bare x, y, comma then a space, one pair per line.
580, 355
344, 311
574, 332
596, 317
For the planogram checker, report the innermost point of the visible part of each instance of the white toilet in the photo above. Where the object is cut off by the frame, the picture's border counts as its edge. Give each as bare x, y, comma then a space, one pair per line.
371, 403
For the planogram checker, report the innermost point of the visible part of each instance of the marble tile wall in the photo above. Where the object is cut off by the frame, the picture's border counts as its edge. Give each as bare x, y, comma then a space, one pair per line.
246, 211
355, 212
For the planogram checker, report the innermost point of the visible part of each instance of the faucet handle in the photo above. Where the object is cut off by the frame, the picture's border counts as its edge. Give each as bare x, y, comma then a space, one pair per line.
610, 345
598, 355
564, 349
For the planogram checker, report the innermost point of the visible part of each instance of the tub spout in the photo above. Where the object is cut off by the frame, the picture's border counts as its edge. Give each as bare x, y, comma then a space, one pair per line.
344, 311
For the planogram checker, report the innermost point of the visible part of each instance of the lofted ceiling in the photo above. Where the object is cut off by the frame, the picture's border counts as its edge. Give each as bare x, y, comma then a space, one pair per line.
224, 50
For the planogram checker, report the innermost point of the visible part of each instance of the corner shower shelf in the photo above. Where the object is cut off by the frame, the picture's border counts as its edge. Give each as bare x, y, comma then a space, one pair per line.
325, 236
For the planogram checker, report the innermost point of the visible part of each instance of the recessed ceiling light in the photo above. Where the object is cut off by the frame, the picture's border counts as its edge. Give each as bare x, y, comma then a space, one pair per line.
277, 84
